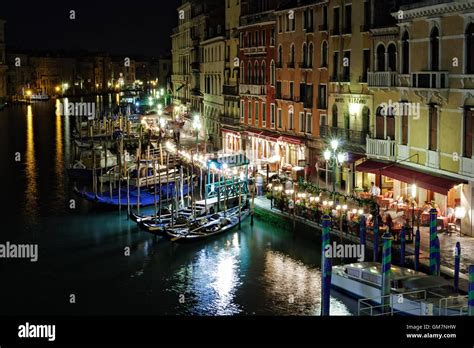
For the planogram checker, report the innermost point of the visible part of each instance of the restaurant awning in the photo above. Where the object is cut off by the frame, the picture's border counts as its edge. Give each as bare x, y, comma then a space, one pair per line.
428, 181
291, 140
264, 135
227, 130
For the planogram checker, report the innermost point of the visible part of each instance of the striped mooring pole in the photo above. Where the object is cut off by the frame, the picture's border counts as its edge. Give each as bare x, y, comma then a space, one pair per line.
403, 234
376, 239
433, 235
437, 257
457, 264
386, 269
326, 268
417, 249
362, 232
470, 302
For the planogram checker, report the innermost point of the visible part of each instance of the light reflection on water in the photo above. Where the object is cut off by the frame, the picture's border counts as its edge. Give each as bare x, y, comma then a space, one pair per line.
293, 287
211, 280
31, 191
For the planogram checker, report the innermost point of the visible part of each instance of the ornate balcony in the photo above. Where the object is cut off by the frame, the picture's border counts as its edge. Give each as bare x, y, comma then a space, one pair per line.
253, 89
429, 79
380, 149
382, 79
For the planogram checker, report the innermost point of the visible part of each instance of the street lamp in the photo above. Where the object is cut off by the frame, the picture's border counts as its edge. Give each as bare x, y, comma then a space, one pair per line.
334, 158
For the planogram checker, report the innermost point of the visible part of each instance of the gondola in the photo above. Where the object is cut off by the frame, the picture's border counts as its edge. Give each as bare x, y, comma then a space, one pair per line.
216, 224
147, 196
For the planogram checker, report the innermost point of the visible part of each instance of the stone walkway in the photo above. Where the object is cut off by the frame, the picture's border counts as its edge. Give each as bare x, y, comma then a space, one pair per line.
447, 244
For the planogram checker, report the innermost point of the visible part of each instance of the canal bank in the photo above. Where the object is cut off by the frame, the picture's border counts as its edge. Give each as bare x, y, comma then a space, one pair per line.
265, 212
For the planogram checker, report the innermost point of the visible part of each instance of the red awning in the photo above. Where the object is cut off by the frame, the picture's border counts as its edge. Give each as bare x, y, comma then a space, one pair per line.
263, 135
371, 166
291, 140
227, 130
435, 183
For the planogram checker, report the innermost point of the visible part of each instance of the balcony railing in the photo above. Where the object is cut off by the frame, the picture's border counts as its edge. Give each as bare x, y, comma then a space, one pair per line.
429, 79
349, 135
230, 90
253, 89
382, 79
380, 149
257, 18
467, 166
254, 50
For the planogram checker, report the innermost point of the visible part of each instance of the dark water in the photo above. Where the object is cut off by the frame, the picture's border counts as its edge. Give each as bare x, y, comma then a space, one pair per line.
264, 269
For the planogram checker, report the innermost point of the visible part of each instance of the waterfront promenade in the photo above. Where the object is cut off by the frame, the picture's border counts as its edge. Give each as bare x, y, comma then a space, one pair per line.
447, 243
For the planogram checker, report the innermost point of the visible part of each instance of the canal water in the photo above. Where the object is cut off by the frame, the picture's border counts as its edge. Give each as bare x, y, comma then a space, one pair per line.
265, 269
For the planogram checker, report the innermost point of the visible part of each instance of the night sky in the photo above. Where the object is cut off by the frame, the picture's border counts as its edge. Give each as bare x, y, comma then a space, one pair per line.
135, 28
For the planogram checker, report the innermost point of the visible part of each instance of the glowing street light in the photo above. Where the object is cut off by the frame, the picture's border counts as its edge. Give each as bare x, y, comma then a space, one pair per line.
334, 158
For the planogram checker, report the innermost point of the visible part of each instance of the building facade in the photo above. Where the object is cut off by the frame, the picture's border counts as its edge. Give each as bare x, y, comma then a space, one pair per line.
420, 144
212, 79
301, 80
257, 84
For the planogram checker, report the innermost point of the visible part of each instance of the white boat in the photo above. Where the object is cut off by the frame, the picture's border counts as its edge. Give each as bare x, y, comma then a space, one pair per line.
103, 159
39, 97
412, 293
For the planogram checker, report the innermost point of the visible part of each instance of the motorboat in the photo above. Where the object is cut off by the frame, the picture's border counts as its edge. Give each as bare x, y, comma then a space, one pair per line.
412, 292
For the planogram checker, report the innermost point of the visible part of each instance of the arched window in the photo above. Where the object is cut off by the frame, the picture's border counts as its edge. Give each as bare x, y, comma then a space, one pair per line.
292, 56
380, 58
324, 54
470, 49
256, 74
310, 54
264, 73
434, 49
249, 73
405, 54
392, 57
305, 55
272, 73
280, 56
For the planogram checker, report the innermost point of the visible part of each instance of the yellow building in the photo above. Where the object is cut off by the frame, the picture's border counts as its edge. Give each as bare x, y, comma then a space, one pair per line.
350, 103
423, 93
